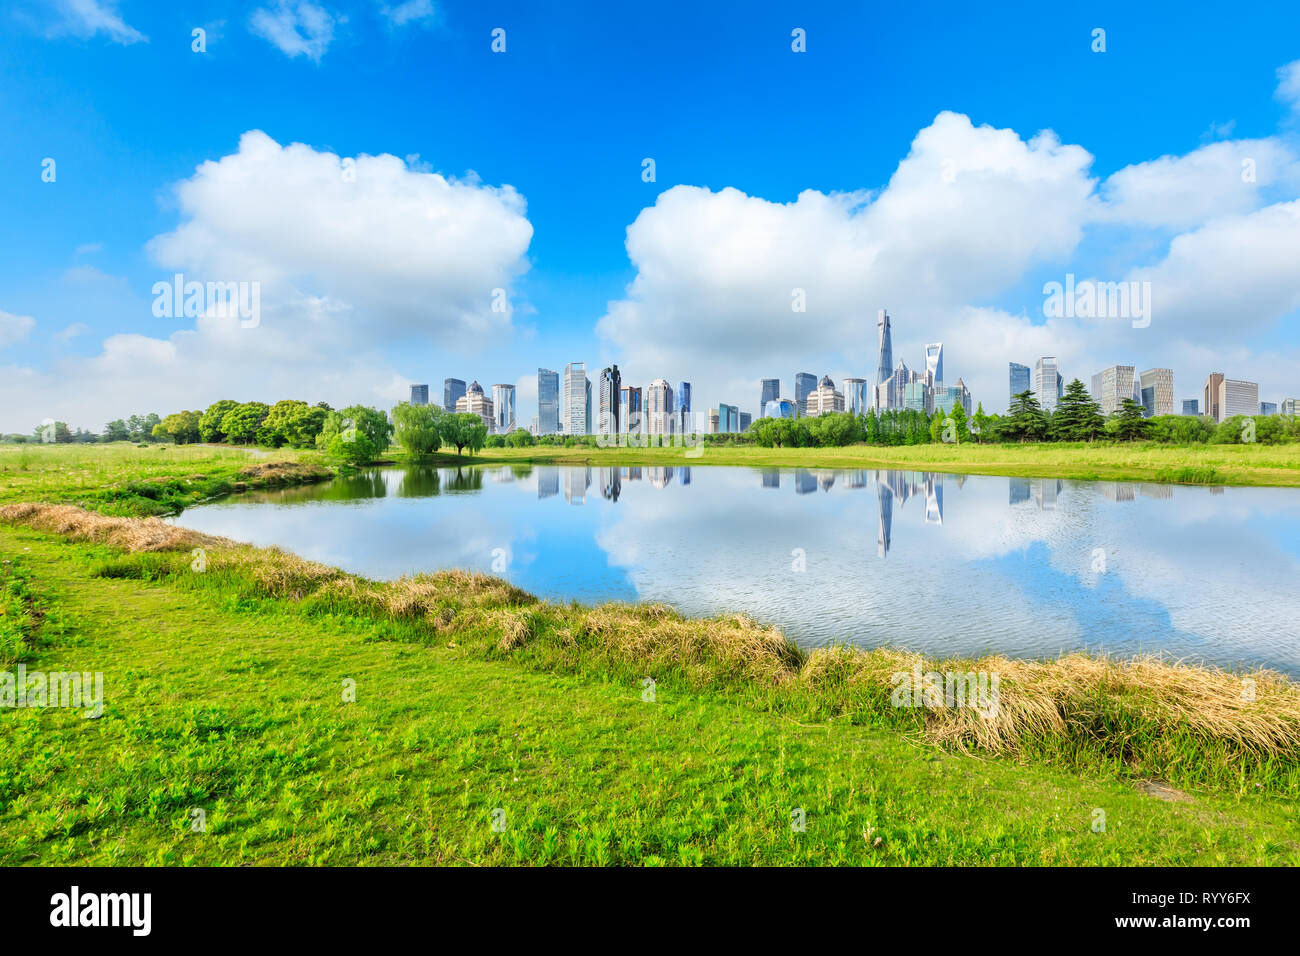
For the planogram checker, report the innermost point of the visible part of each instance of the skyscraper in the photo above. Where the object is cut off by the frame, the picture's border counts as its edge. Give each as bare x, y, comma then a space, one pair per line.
1047, 382
548, 401
682, 404
884, 351
1157, 389
452, 390
1189, 406
1111, 386
576, 399
805, 383
770, 392
476, 403
503, 401
1019, 379
779, 408
824, 399
610, 383
1290, 406
659, 408
419, 394
934, 364
1268, 408
855, 395
1210, 395
630, 409
1237, 398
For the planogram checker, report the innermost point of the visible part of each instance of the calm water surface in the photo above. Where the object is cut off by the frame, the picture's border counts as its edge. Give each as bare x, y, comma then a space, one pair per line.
946, 564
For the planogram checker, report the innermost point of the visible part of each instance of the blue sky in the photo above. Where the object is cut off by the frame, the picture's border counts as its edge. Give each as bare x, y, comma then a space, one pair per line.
583, 93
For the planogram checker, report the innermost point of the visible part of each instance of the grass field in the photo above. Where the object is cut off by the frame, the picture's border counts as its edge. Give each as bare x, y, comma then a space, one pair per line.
1277, 465
488, 727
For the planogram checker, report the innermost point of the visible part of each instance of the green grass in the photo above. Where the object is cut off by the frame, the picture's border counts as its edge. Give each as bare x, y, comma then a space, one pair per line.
126, 479
218, 702
1277, 465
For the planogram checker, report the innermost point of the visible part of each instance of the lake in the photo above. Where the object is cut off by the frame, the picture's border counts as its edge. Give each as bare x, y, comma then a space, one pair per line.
946, 564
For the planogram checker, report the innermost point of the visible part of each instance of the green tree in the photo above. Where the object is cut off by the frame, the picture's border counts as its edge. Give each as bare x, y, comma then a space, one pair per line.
418, 428
1025, 420
373, 423
465, 430
1129, 421
180, 427
1077, 416
341, 438
241, 423
210, 422
521, 438
116, 431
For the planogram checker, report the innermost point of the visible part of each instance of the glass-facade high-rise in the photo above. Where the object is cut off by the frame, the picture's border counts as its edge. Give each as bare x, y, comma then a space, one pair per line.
682, 399
779, 408
1111, 386
608, 417
630, 409
771, 391
419, 394
1156, 386
503, 402
548, 402
934, 364
1019, 379
805, 383
453, 389
1190, 406
856, 398
1047, 382
659, 408
885, 353
575, 399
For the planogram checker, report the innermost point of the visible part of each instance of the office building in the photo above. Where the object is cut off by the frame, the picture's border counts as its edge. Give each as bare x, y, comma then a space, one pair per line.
856, 395
780, 408
728, 419
682, 404
1190, 406
575, 399
884, 355
1156, 388
771, 390
453, 389
1019, 379
659, 408
1290, 406
1210, 395
1237, 398
1111, 386
608, 416
630, 409
548, 402
714, 421
746, 419
419, 394
825, 398
917, 397
1268, 408
503, 402
946, 397
476, 403
805, 383
934, 364
1047, 383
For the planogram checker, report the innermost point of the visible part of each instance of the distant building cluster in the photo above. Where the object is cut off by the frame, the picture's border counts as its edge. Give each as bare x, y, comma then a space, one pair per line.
567, 404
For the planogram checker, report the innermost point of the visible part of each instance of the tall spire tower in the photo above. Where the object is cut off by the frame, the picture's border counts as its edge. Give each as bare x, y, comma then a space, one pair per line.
885, 363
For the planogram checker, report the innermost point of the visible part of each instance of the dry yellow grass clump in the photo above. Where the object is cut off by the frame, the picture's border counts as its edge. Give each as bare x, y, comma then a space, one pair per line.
129, 534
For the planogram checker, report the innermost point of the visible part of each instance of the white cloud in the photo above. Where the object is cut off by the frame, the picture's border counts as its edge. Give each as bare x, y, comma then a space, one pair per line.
411, 11
297, 27
70, 332
1185, 191
14, 328
408, 253
86, 18
1288, 85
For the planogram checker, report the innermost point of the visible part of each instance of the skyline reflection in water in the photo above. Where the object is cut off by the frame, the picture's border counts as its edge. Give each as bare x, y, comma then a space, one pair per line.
942, 563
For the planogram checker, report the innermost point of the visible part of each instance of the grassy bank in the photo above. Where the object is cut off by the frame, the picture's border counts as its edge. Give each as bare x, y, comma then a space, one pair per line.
1277, 465
472, 696
125, 479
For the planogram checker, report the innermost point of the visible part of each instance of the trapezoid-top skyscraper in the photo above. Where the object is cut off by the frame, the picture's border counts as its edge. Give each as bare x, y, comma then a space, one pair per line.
885, 362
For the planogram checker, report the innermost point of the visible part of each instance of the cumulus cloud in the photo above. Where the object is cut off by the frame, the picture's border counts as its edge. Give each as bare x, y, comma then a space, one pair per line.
297, 28
407, 252
86, 18
1184, 191
14, 328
